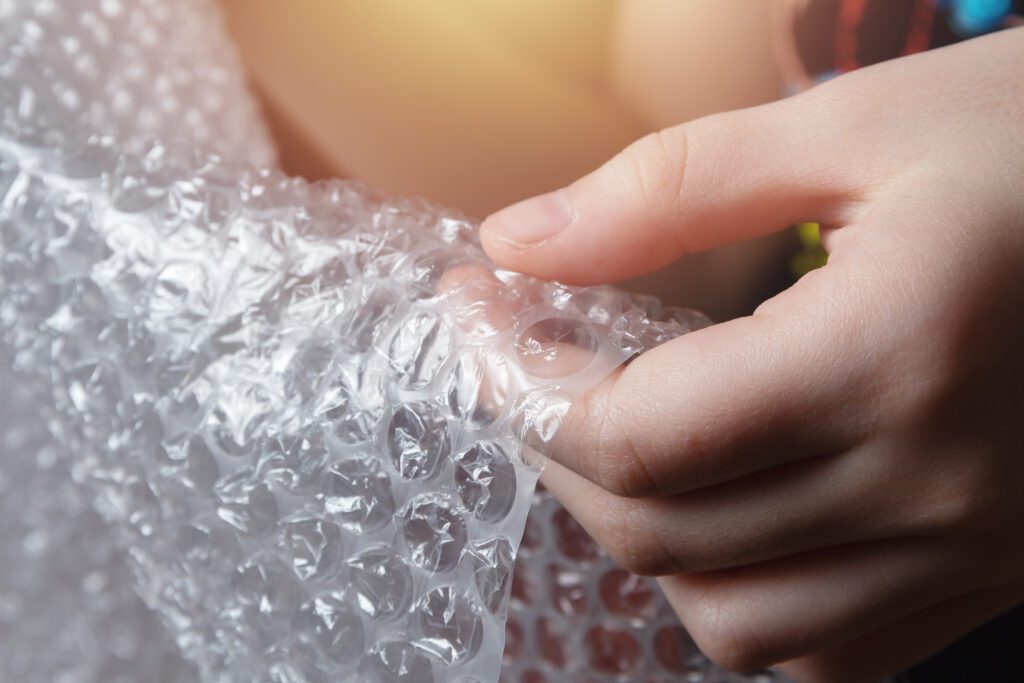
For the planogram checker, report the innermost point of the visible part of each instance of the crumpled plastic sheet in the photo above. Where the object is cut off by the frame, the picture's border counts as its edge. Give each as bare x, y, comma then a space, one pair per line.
257, 429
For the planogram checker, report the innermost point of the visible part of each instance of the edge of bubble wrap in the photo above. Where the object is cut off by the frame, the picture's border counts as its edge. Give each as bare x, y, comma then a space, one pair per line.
196, 320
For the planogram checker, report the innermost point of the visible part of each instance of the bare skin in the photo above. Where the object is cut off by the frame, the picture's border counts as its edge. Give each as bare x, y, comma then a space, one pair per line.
387, 92
835, 483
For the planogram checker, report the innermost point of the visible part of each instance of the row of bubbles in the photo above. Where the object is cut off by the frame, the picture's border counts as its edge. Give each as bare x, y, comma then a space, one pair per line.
72, 73
574, 615
259, 429
303, 471
68, 607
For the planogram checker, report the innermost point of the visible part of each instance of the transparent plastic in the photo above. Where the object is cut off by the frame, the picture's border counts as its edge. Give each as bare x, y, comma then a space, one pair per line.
258, 429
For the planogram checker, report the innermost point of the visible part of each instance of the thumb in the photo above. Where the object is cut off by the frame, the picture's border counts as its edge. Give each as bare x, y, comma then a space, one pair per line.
721, 179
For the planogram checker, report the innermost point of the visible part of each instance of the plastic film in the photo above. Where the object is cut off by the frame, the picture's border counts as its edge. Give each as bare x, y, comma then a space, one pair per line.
264, 406
259, 429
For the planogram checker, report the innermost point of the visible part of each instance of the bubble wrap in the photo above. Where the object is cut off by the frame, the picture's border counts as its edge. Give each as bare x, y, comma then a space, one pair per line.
258, 429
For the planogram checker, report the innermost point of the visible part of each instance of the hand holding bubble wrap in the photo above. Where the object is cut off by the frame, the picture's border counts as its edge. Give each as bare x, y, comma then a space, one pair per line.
298, 409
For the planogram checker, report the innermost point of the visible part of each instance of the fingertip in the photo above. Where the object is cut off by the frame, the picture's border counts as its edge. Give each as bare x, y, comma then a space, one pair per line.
497, 249
510, 233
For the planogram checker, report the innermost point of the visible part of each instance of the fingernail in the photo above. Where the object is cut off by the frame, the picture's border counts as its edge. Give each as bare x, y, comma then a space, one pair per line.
532, 220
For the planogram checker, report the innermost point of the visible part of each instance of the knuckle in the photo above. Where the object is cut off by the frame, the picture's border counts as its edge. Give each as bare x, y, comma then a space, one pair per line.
964, 509
961, 483
961, 501
654, 166
615, 532
727, 636
626, 535
621, 468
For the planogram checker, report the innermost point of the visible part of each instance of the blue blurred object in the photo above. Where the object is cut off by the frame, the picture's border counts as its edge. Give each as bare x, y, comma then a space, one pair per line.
974, 17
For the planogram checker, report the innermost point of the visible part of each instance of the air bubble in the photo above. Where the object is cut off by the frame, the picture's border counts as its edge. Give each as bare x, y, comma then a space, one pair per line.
201, 471
450, 626
417, 440
568, 591
248, 506
675, 650
514, 641
358, 493
266, 587
307, 368
293, 462
420, 346
556, 347
434, 533
552, 642
478, 388
396, 662
492, 571
612, 651
329, 622
573, 541
381, 582
486, 480
628, 595
315, 546
342, 414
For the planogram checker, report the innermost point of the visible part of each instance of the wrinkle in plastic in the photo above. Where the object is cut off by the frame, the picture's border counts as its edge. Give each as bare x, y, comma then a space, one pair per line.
267, 429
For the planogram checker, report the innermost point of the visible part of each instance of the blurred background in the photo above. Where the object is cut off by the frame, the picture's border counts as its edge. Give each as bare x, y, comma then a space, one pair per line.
476, 104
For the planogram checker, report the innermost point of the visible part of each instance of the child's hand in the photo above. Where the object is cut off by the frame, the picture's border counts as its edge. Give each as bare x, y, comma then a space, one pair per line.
837, 480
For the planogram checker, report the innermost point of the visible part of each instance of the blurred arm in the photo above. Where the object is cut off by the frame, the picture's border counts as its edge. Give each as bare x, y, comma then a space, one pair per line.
423, 98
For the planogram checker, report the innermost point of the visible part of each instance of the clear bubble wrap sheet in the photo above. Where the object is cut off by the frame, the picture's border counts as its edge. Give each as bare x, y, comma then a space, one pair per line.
256, 429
